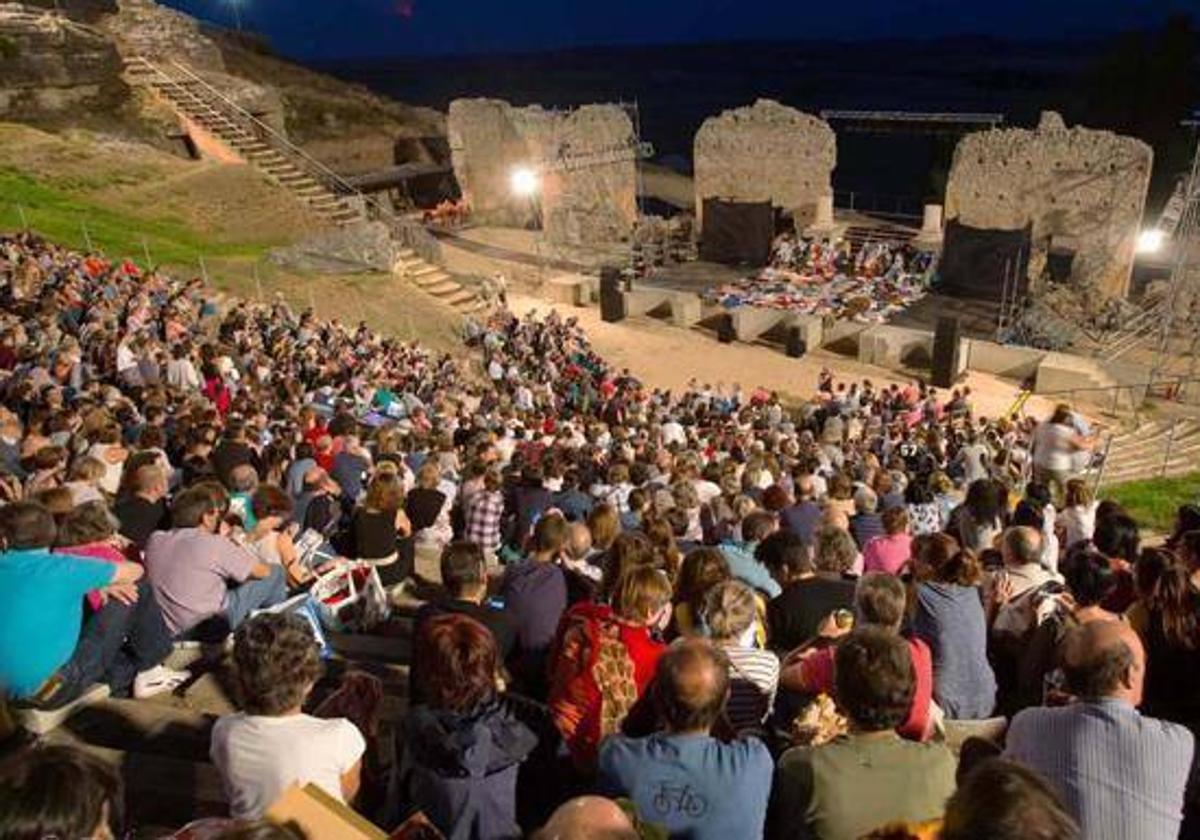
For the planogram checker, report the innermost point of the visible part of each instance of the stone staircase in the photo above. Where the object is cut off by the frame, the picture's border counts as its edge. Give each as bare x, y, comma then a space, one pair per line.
246, 136
1155, 449
437, 283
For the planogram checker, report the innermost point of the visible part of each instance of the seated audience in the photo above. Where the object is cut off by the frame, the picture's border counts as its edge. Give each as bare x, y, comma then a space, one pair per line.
682, 778
49, 655
271, 744
731, 616
813, 587
1119, 774
198, 574
950, 618
863, 780
604, 658
462, 746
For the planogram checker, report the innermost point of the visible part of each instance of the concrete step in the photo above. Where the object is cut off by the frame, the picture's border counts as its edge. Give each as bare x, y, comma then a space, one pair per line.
436, 278
445, 288
463, 296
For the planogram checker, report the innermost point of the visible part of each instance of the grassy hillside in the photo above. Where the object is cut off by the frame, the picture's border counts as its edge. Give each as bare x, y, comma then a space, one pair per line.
193, 218
1153, 502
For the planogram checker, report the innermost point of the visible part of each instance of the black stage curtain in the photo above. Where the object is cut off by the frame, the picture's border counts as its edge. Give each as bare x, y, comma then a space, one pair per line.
977, 262
737, 233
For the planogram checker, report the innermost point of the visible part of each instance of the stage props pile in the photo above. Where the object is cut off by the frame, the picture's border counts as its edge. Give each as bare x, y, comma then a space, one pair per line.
827, 278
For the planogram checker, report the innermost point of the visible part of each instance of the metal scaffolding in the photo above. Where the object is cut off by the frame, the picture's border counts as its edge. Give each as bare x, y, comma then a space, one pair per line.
1181, 319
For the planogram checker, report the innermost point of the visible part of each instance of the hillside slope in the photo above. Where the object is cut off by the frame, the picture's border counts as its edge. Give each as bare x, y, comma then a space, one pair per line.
195, 218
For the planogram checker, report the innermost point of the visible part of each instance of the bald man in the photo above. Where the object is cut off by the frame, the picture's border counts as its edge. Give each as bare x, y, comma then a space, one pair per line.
1120, 774
588, 818
682, 778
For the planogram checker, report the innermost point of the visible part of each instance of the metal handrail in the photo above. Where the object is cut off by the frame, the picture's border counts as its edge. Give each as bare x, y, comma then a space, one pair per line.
274, 135
411, 235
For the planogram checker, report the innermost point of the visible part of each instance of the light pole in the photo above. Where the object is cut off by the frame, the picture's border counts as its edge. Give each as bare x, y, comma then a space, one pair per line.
237, 12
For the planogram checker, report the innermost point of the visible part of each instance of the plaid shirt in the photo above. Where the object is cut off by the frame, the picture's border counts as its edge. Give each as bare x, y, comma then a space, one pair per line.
483, 519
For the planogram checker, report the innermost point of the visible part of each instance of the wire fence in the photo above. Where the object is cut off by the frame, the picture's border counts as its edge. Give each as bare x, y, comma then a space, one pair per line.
245, 274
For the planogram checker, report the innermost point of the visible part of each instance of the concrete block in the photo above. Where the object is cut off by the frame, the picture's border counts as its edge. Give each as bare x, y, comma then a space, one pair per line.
642, 301
750, 322
568, 290
686, 309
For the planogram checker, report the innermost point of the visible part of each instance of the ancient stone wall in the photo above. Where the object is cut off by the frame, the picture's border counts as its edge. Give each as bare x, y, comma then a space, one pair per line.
1082, 189
766, 152
51, 66
584, 158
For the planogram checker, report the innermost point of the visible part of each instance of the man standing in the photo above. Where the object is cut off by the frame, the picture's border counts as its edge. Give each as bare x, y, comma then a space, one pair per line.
198, 574
684, 779
1120, 774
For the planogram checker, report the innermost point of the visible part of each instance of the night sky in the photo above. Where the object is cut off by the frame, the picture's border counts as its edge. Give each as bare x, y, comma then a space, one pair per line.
329, 29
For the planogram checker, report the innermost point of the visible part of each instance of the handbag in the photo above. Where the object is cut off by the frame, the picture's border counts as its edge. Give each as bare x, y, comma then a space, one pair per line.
351, 598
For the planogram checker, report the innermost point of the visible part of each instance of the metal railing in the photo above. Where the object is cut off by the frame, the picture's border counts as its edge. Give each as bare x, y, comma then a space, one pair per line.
254, 127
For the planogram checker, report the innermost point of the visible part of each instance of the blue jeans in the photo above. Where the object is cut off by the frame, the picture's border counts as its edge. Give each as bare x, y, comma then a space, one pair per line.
116, 643
255, 595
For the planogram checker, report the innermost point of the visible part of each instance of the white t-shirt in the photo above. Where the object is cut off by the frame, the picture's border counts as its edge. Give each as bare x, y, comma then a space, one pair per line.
1052, 448
260, 757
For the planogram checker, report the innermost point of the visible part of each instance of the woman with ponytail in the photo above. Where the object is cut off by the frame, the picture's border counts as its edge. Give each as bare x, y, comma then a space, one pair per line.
950, 618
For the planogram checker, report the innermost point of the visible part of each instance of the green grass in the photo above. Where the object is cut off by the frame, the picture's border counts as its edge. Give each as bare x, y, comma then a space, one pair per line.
62, 217
1153, 502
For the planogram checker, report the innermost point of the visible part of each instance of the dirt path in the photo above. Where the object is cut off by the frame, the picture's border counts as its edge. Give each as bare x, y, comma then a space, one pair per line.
664, 356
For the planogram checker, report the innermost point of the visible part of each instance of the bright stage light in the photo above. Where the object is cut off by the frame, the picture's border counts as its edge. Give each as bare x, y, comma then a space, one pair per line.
1150, 241
524, 181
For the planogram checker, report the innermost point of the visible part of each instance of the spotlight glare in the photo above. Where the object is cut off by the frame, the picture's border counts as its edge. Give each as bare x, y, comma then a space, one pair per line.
524, 181
1150, 241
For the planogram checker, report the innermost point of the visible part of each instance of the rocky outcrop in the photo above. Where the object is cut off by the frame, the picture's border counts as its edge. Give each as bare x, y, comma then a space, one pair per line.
88, 11
52, 66
367, 246
585, 161
1082, 189
766, 152
143, 27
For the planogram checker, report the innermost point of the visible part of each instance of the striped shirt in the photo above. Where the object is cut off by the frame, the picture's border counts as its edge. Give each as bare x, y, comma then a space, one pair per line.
753, 678
1120, 774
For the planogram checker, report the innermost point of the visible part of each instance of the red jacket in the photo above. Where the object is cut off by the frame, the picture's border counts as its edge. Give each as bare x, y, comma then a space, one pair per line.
600, 667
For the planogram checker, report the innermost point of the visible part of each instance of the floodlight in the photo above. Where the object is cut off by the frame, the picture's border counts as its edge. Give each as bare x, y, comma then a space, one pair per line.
524, 181
1150, 241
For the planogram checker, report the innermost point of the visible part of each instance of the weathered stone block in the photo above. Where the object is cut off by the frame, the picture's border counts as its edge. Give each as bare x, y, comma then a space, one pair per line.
584, 159
766, 152
50, 64
1081, 188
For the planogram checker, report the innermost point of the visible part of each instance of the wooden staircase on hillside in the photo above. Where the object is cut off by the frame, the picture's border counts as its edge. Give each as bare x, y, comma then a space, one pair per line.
251, 139
437, 282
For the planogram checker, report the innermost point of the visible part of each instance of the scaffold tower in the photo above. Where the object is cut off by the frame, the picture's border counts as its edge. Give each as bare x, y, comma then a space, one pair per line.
1179, 333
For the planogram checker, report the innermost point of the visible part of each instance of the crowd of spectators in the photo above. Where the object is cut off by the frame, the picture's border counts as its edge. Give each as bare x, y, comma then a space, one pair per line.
707, 613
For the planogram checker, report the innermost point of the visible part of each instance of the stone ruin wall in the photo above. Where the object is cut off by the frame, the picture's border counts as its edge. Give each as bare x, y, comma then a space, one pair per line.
1081, 188
592, 203
766, 152
50, 66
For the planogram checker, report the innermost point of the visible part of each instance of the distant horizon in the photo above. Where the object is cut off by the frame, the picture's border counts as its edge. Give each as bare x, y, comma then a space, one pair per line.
822, 43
